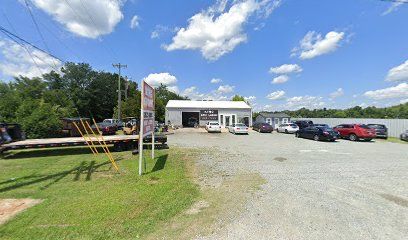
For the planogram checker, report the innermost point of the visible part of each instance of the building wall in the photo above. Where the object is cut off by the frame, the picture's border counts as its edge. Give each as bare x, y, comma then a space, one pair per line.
175, 114
274, 124
395, 126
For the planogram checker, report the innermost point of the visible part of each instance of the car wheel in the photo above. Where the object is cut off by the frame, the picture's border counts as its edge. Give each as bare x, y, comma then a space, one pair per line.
296, 134
353, 137
316, 138
134, 133
286, 131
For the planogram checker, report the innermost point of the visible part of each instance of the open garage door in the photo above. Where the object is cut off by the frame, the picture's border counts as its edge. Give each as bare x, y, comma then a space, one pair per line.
190, 119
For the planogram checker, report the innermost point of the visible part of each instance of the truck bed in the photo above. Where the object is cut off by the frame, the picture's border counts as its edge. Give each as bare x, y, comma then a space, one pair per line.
77, 141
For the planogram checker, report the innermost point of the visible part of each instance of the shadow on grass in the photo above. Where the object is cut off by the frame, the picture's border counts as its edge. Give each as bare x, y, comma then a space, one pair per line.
160, 163
35, 153
83, 167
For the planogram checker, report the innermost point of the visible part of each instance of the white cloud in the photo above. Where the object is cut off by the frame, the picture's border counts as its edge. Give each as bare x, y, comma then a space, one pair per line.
216, 80
338, 93
155, 79
278, 95
251, 100
193, 94
313, 44
134, 23
309, 102
280, 79
160, 29
399, 91
216, 31
393, 7
17, 61
286, 69
225, 89
403, 101
398, 73
89, 19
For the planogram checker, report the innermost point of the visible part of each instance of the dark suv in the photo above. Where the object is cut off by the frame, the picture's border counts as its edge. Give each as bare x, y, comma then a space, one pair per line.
303, 123
262, 127
380, 130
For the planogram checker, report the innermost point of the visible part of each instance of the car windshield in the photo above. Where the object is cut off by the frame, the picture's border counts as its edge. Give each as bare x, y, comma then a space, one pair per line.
376, 126
240, 125
265, 124
364, 126
293, 125
327, 129
213, 123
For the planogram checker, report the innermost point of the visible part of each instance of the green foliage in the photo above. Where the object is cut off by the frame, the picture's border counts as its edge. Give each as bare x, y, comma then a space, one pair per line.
163, 95
238, 98
399, 111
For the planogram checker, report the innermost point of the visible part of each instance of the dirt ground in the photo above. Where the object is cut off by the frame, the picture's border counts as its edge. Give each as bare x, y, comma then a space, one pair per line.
311, 190
11, 207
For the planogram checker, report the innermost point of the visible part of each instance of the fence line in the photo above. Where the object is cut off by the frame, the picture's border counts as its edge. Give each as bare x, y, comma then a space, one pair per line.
395, 126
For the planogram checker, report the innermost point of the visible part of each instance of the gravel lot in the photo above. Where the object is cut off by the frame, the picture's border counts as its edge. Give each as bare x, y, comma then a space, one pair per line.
313, 190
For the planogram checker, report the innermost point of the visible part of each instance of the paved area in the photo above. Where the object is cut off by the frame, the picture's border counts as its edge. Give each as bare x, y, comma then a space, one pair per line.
313, 190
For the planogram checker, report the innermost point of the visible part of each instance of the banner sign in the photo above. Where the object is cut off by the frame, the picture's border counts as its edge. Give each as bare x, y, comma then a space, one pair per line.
209, 115
148, 109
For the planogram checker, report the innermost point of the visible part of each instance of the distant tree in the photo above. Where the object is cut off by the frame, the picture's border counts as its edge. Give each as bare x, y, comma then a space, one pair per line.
163, 95
238, 98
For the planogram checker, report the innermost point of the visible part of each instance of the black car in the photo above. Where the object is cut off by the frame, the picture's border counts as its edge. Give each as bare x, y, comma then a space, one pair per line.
404, 136
318, 133
320, 125
303, 123
380, 130
262, 127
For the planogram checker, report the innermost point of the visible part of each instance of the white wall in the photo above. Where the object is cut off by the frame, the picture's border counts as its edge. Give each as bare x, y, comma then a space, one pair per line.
395, 126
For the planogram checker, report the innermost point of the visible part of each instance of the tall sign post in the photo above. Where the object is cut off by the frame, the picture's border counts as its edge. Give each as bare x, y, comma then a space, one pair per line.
146, 120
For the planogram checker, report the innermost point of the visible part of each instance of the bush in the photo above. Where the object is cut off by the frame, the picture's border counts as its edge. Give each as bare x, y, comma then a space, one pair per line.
43, 122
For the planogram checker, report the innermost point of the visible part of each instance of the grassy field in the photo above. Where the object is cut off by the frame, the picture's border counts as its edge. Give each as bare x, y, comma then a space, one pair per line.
84, 198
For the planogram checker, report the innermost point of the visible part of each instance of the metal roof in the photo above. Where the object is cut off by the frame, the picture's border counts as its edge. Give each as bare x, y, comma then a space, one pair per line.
273, 115
207, 104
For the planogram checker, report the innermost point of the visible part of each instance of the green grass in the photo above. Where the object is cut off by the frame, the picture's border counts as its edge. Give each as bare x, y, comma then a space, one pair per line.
84, 198
394, 140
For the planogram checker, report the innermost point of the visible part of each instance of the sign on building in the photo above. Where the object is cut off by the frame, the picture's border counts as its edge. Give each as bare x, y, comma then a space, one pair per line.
209, 115
146, 119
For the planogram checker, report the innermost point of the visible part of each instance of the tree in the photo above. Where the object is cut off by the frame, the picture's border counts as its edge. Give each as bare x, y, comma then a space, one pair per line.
238, 98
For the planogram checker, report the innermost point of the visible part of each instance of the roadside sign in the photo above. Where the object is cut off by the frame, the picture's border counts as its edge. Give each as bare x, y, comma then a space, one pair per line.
209, 115
146, 119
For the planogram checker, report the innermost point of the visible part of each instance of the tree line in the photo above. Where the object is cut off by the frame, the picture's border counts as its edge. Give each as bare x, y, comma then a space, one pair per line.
78, 90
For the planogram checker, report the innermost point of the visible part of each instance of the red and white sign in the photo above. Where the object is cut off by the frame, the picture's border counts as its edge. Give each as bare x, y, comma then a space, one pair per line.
147, 109
148, 97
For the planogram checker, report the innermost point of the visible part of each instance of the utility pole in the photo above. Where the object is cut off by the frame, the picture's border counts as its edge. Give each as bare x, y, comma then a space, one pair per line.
119, 66
126, 87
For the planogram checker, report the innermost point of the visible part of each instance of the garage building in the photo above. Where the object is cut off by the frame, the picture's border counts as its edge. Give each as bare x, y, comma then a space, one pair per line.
187, 113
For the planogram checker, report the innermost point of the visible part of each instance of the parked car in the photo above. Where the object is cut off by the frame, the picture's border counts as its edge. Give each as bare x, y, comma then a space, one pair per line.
106, 128
380, 130
303, 123
320, 125
118, 123
318, 133
238, 128
192, 122
404, 136
262, 127
213, 127
288, 128
355, 132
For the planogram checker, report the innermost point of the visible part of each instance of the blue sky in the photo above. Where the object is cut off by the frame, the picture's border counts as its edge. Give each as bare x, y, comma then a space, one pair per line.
279, 54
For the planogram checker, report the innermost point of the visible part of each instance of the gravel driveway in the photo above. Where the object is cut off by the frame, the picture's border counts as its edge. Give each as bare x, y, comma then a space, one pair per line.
313, 190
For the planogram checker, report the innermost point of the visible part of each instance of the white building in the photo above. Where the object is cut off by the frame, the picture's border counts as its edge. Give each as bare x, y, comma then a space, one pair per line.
186, 113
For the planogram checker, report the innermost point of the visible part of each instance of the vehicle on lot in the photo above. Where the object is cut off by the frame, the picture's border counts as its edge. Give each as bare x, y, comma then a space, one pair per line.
380, 130
355, 132
288, 128
131, 127
303, 123
404, 136
318, 133
10, 132
320, 125
118, 123
238, 128
262, 127
192, 122
105, 128
213, 127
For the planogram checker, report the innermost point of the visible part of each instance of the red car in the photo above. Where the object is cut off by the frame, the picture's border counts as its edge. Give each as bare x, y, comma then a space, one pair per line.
355, 132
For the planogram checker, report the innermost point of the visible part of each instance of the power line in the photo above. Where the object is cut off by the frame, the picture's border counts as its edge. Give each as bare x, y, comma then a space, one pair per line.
14, 37
38, 30
22, 45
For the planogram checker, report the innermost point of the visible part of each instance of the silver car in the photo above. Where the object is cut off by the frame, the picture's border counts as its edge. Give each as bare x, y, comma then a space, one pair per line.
404, 136
238, 128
